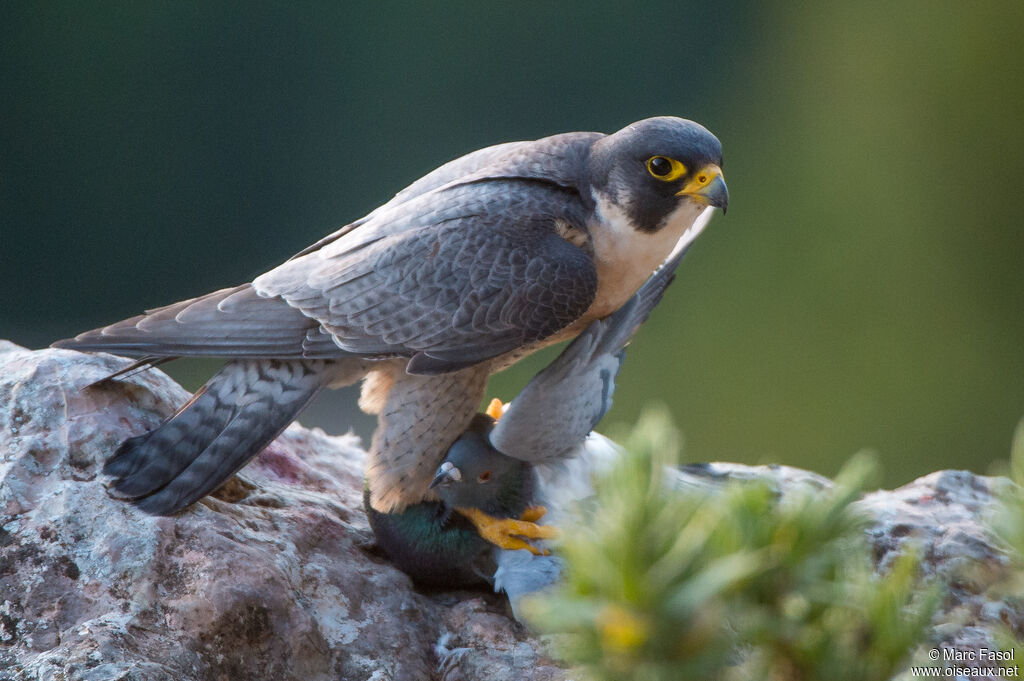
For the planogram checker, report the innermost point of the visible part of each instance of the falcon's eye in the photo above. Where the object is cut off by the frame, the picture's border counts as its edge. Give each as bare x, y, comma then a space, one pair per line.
484, 477
665, 169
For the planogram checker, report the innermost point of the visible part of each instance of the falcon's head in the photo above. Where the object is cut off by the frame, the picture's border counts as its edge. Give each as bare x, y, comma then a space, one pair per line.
657, 172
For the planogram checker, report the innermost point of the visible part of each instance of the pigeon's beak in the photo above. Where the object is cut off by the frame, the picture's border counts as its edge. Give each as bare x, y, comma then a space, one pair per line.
446, 474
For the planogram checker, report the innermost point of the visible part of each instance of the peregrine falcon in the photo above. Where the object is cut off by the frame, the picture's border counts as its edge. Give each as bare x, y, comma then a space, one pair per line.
540, 448
479, 263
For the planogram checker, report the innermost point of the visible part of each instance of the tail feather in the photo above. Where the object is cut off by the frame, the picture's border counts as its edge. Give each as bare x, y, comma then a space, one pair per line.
145, 463
230, 420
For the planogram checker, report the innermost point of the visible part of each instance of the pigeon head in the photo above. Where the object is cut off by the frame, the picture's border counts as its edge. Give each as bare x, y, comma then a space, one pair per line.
476, 475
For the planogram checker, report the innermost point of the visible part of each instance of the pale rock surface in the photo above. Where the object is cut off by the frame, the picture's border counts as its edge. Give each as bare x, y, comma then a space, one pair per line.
947, 514
277, 577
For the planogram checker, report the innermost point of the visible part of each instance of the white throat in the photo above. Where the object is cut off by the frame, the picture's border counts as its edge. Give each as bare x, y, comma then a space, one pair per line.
626, 257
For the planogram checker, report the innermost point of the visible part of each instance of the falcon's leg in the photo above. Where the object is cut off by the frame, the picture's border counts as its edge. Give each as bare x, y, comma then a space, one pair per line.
419, 419
509, 533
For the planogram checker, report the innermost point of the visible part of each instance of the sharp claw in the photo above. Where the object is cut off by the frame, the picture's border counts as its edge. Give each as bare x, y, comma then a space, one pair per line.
533, 514
513, 544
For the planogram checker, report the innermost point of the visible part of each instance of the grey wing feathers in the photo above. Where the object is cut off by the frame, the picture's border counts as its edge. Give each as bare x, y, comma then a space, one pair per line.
460, 267
451, 282
520, 574
234, 322
554, 160
529, 160
556, 410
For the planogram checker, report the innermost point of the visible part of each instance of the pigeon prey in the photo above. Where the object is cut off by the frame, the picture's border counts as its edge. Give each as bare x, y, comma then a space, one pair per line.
474, 266
489, 476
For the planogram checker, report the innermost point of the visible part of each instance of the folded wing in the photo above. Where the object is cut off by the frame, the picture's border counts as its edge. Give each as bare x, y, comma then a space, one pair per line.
462, 266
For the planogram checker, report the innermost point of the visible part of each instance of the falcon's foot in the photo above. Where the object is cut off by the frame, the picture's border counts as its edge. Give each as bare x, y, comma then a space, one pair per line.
512, 533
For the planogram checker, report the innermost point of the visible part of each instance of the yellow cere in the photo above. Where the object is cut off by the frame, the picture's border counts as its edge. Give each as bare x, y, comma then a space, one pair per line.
655, 165
701, 179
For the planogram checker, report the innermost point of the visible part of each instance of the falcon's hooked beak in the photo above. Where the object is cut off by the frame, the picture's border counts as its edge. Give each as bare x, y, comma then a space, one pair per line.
447, 473
708, 187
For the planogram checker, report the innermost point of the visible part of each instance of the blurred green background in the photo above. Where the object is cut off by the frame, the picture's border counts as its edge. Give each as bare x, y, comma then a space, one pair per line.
866, 289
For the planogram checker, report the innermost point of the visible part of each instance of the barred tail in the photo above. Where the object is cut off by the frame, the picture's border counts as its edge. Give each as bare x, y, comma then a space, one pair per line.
231, 419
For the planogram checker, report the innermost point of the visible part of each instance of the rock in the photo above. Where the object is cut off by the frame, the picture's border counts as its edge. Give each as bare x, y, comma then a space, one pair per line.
782, 480
276, 576
945, 515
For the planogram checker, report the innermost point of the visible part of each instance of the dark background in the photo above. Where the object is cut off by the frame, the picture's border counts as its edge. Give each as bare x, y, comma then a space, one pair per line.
866, 289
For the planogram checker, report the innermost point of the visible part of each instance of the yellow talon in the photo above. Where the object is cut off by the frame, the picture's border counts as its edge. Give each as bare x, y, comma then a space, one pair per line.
509, 533
495, 409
